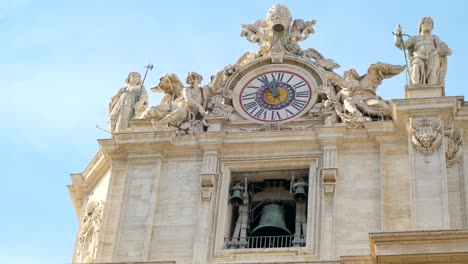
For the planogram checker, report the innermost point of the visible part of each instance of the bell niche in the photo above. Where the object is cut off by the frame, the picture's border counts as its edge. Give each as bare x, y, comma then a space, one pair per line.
268, 209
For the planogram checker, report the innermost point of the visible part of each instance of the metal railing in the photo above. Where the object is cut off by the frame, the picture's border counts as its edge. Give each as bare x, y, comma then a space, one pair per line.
265, 242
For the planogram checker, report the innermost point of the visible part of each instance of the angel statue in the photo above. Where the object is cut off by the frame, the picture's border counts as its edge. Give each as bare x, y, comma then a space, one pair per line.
357, 94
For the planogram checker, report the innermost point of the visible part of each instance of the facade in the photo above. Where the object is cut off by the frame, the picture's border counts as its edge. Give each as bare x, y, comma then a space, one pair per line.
278, 159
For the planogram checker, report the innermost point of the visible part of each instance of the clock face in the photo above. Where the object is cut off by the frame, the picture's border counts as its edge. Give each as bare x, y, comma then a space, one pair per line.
275, 96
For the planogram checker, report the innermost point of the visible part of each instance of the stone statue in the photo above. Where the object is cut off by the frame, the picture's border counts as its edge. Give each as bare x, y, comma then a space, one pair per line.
172, 87
89, 232
129, 102
357, 94
181, 108
427, 52
278, 34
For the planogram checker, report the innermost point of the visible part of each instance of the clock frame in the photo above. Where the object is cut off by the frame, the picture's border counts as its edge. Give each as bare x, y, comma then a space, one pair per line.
275, 93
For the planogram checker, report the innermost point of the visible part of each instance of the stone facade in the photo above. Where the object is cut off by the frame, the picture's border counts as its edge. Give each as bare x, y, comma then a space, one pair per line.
359, 179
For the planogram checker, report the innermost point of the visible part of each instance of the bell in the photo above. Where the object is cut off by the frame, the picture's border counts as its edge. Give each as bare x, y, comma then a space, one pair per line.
236, 197
271, 222
300, 194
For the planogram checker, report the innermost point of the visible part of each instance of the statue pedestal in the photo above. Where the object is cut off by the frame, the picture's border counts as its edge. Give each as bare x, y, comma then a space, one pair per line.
424, 91
215, 123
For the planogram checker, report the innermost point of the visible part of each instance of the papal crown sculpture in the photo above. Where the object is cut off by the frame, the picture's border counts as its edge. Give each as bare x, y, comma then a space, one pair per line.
274, 95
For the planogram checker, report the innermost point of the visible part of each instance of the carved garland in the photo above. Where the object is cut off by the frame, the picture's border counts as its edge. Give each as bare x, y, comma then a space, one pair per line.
453, 145
89, 233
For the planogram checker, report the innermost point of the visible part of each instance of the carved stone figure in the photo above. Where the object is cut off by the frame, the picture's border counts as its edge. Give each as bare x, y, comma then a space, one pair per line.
129, 102
356, 100
426, 136
275, 35
329, 109
453, 145
172, 88
182, 109
427, 52
89, 233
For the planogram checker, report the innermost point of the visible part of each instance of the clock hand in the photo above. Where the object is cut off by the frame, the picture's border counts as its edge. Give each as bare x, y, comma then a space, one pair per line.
271, 86
265, 81
274, 87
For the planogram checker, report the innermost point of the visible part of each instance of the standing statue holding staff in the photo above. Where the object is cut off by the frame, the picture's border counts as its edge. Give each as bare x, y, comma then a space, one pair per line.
428, 54
129, 102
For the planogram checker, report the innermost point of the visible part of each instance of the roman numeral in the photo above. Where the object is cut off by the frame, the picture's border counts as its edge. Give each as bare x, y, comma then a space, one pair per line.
250, 96
264, 80
299, 84
289, 113
251, 105
252, 87
289, 78
302, 94
280, 76
298, 104
275, 115
260, 112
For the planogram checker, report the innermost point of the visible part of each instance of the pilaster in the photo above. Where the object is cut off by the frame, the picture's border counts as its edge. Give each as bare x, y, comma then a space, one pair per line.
330, 139
138, 208
428, 185
112, 212
394, 179
209, 143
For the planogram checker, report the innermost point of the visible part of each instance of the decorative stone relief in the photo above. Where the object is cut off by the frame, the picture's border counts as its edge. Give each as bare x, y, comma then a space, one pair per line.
453, 145
89, 234
427, 52
426, 134
353, 99
276, 36
244, 174
129, 102
209, 174
329, 179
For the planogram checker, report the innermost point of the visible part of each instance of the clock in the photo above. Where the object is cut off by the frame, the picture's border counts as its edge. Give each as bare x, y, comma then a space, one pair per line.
275, 94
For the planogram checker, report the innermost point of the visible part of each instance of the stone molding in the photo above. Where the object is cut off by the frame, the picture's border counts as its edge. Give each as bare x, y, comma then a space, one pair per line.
424, 91
449, 246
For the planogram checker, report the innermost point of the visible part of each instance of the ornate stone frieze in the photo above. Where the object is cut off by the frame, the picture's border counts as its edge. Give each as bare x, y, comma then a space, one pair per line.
88, 237
453, 145
426, 136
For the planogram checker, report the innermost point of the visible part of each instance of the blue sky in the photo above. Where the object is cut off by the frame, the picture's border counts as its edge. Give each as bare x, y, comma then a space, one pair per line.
61, 62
